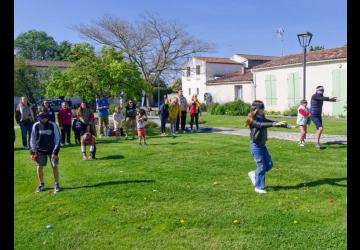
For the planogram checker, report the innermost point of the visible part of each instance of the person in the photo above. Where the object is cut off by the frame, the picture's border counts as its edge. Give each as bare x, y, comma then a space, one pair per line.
183, 112
25, 118
174, 112
303, 118
47, 106
102, 106
140, 122
317, 101
194, 110
45, 143
164, 115
64, 119
258, 125
84, 116
77, 128
88, 139
117, 119
130, 118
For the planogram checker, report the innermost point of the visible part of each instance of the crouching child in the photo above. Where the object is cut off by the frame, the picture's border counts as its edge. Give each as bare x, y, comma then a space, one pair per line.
88, 139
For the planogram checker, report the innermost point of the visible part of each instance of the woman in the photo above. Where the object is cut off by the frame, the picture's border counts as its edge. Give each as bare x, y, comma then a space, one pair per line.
64, 119
195, 110
164, 114
25, 118
174, 112
84, 116
130, 118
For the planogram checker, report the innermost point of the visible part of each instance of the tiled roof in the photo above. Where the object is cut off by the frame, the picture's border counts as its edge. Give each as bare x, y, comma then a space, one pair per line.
318, 55
58, 64
217, 60
258, 57
234, 77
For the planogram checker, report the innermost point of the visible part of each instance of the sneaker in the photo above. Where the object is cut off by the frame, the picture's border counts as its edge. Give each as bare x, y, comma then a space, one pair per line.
40, 188
318, 145
251, 175
184, 131
260, 191
56, 188
302, 144
84, 157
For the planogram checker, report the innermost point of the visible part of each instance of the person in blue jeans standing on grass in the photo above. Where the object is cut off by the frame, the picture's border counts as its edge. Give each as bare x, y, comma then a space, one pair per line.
258, 124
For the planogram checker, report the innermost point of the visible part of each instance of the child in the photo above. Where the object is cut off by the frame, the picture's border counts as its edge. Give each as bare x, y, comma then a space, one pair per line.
303, 119
117, 118
140, 120
258, 135
88, 139
77, 128
194, 110
64, 119
174, 112
164, 114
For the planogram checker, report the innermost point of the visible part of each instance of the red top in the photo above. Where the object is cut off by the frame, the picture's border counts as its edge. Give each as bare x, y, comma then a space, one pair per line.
64, 116
304, 113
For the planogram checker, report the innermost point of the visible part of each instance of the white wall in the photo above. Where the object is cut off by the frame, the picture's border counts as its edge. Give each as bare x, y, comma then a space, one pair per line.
316, 74
222, 93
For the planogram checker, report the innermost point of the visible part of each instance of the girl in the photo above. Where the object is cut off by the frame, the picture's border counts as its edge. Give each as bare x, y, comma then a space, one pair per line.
258, 135
130, 118
140, 120
64, 119
25, 118
117, 118
88, 139
84, 116
174, 112
303, 119
194, 112
164, 114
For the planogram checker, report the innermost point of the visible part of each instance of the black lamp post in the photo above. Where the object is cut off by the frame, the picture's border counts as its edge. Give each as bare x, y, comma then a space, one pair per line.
304, 40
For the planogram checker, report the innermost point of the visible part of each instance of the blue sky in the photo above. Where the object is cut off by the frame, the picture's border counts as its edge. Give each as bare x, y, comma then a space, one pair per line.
233, 26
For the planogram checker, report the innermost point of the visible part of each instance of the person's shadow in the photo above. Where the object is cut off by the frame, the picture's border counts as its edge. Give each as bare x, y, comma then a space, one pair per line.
110, 157
107, 183
325, 181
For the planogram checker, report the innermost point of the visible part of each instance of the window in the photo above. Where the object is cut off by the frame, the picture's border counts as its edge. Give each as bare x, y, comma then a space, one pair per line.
198, 69
270, 86
293, 81
187, 71
197, 91
238, 92
189, 91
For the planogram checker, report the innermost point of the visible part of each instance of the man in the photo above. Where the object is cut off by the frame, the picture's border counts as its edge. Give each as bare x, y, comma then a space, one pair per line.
102, 107
45, 143
183, 106
317, 101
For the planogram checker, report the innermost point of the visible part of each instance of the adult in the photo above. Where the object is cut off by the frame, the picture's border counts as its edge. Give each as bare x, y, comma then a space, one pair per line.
102, 106
64, 119
49, 110
45, 143
84, 116
130, 118
164, 115
194, 110
183, 111
25, 118
317, 101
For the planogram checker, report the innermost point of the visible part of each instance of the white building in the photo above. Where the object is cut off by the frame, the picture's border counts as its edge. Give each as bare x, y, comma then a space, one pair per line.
225, 79
279, 83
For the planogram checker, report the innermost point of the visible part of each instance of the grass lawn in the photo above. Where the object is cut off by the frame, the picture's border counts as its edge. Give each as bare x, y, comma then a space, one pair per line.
332, 126
162, 197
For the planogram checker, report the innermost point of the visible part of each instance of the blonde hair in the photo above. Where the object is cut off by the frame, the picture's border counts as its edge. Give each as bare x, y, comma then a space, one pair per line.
253, 112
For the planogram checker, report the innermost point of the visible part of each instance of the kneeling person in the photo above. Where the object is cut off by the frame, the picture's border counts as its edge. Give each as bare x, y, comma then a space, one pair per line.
45, 143
88, 139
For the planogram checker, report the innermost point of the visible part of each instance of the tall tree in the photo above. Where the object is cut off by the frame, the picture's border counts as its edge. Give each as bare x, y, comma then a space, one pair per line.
316, 48
93, 75
63, 51
177, 85
157, 47
35, 45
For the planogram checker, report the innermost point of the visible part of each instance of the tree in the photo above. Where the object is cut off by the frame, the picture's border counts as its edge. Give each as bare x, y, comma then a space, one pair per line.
26, 81
157, 47
177, 85
316, 48
35, 45
80, 50
92, 76
63, 51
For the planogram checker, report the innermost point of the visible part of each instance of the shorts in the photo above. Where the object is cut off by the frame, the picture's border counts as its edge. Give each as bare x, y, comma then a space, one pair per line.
42, 160
317, 120
104, 120
141, 132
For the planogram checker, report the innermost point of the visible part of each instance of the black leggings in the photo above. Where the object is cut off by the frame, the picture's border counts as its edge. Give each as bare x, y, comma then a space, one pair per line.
65, 132
196, 121
163, 125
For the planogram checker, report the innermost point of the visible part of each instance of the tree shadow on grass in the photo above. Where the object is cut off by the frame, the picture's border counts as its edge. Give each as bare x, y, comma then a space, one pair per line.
325, 181
110, 157
108, 183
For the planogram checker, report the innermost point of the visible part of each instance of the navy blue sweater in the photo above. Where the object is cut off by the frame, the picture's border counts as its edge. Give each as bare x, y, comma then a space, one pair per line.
317, 101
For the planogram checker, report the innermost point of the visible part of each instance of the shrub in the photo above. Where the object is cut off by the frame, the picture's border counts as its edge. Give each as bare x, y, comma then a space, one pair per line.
291, 112
220, 110
237, 107
272, 112
212, 107
203, 107
151, 124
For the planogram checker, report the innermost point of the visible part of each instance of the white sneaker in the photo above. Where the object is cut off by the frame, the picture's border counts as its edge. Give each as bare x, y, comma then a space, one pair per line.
260, 191
251, 175
302, 144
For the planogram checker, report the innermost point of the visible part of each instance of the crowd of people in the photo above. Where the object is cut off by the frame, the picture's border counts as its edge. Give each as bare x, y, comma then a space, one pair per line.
41, 134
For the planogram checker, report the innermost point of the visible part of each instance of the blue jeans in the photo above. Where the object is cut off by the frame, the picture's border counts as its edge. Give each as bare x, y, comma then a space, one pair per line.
26, 130
173, 125
263, 162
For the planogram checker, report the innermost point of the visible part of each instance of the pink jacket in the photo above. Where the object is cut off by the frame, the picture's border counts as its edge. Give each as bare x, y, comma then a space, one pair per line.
64, 117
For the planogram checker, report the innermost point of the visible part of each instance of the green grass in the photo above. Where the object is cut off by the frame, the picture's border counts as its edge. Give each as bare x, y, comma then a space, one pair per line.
135, 197
332, 126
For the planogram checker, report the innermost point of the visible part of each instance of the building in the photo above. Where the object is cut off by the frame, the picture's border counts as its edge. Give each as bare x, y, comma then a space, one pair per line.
279, 83
225, 79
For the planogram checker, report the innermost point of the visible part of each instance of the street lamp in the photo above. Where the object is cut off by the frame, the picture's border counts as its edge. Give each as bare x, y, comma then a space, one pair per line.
304, 40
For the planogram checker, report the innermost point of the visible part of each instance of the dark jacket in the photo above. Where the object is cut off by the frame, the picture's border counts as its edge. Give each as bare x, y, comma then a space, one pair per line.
258, 130
45, 138
317, 101
51, 113
164, 111
130, 112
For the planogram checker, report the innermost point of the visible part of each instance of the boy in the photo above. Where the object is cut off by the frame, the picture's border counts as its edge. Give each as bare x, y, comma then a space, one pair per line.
140, 120
88, 139
77, 128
